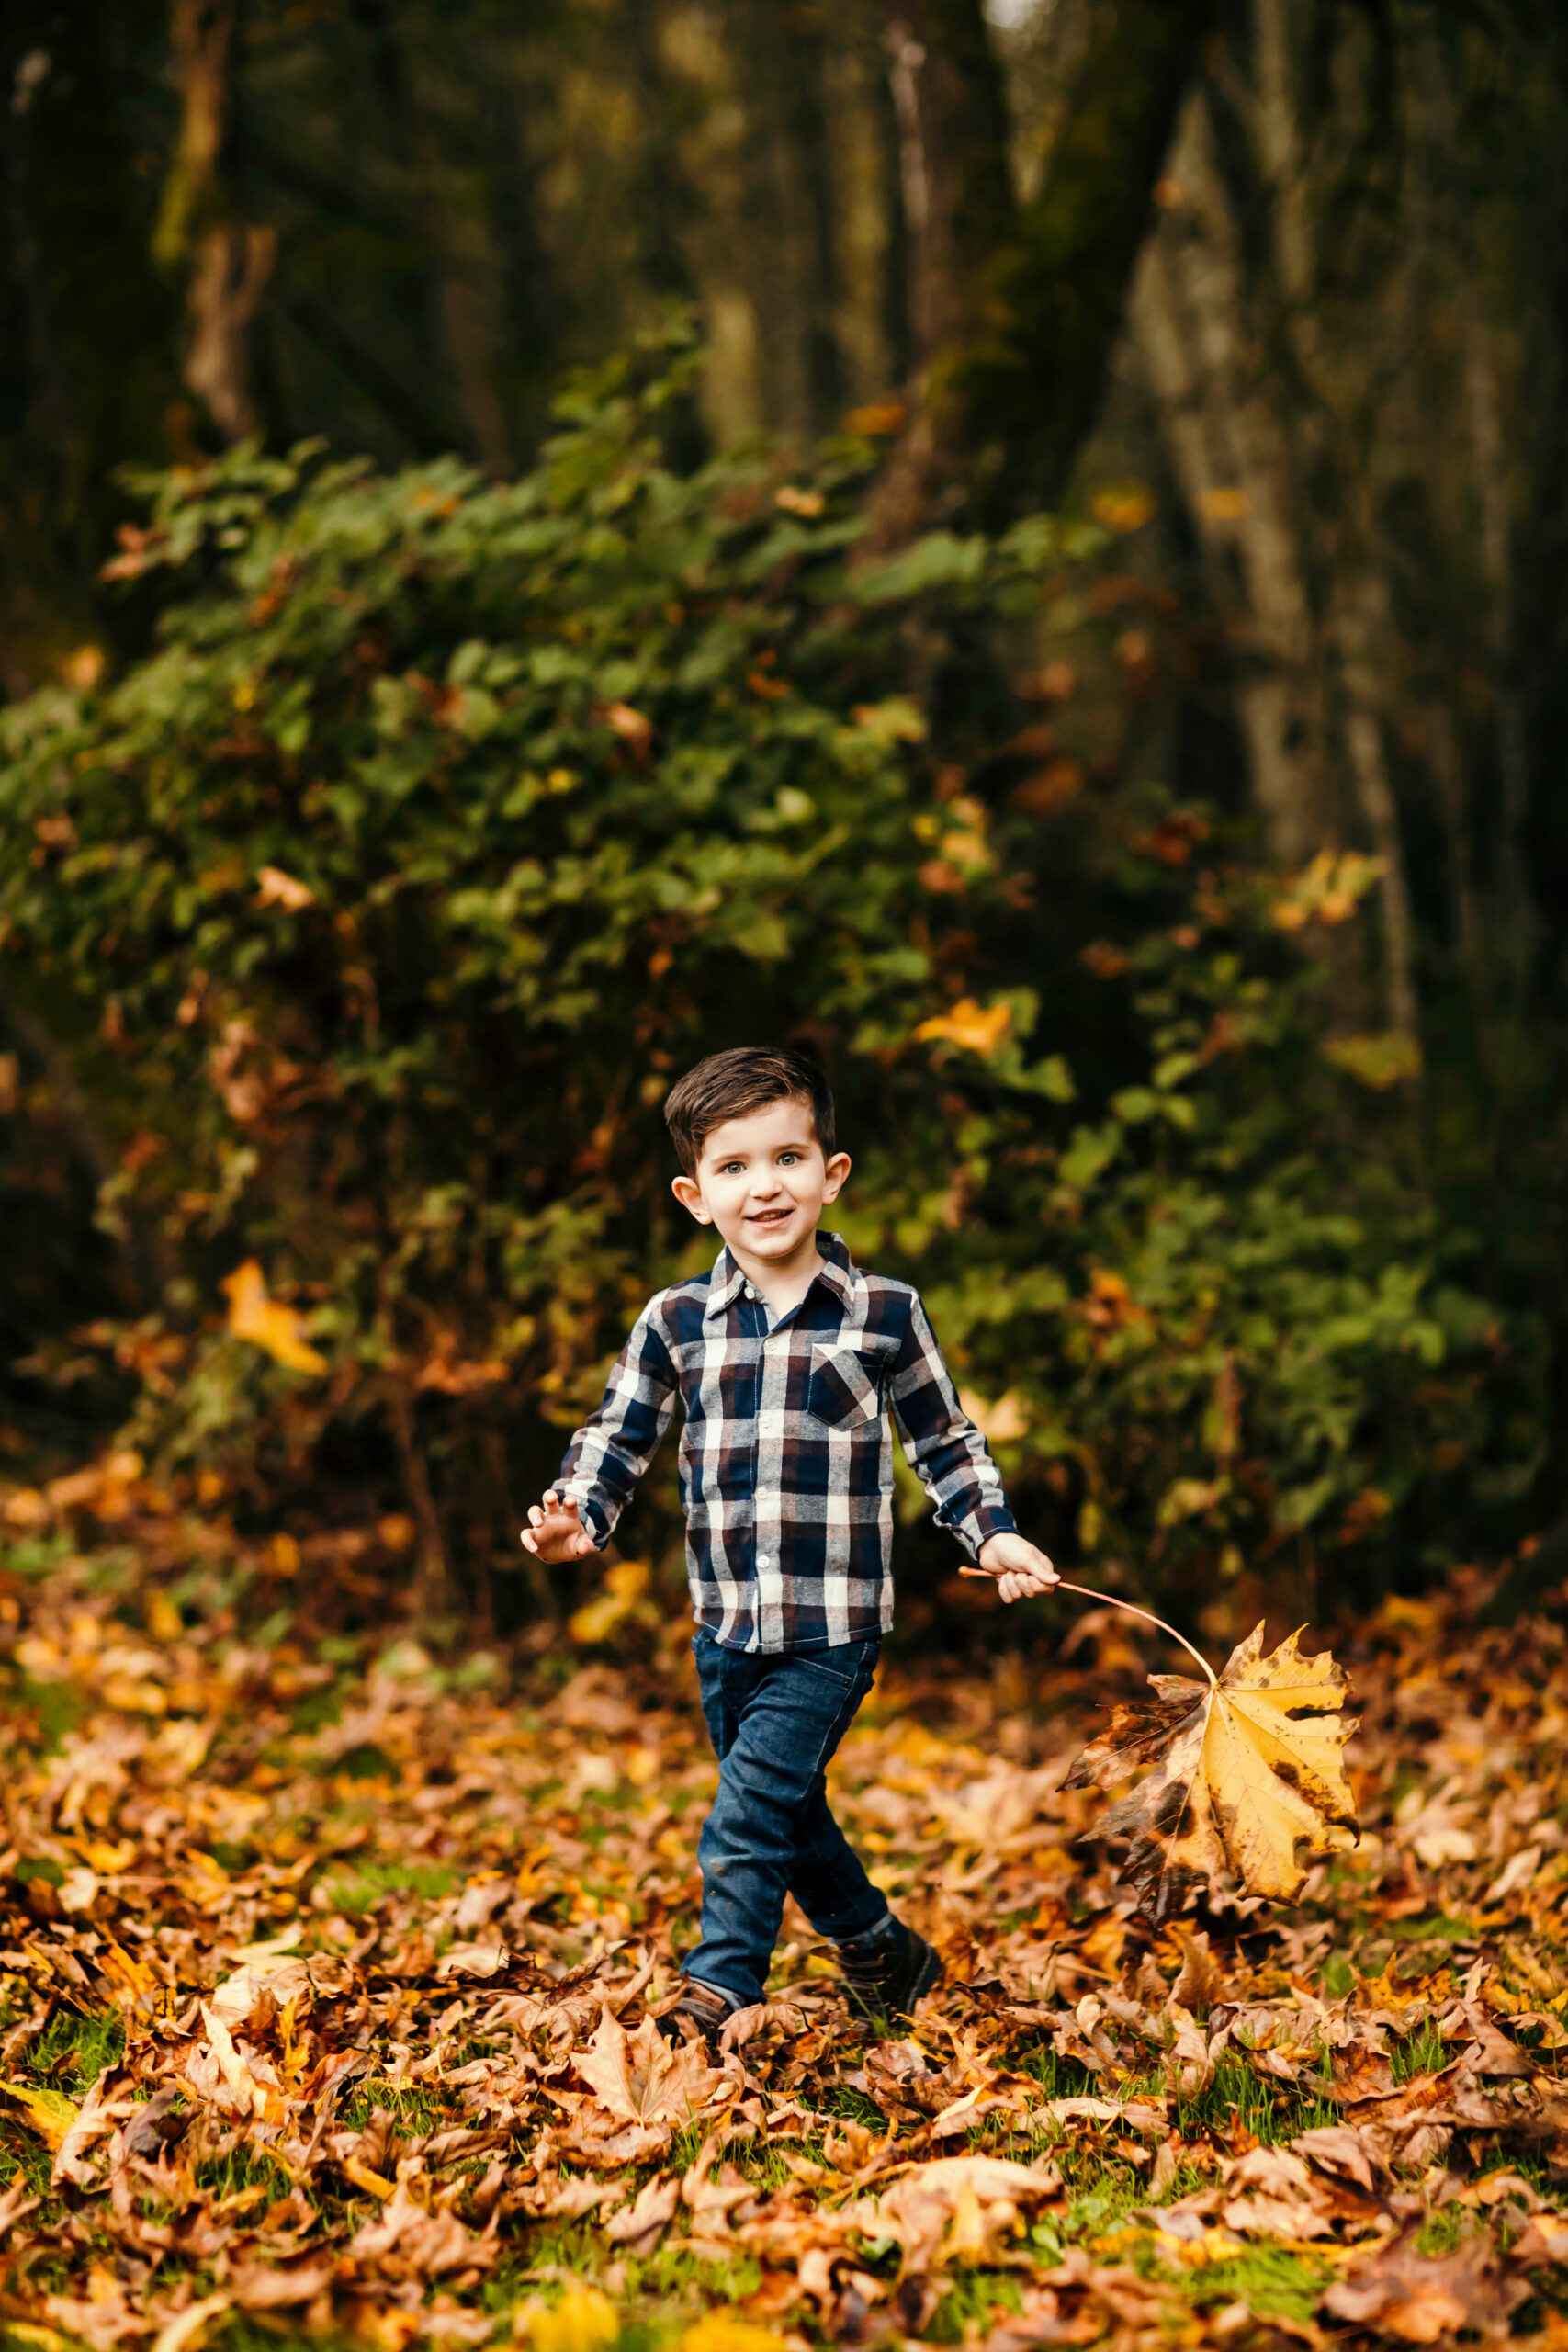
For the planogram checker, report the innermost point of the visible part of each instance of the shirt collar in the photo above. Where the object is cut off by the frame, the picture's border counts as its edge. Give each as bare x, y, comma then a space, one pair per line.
836, 1270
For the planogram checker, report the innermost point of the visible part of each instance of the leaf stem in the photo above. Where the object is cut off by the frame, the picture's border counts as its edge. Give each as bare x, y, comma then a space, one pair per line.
1109, 1600
1148, 1617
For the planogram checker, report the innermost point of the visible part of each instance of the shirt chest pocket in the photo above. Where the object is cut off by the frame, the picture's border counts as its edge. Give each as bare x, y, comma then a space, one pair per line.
845, 1389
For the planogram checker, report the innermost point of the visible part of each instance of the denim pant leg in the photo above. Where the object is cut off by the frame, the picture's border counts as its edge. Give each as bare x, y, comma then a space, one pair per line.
828, 1879
775, 1721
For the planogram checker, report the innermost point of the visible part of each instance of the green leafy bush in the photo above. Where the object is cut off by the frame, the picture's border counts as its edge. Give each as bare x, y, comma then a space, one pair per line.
448, 819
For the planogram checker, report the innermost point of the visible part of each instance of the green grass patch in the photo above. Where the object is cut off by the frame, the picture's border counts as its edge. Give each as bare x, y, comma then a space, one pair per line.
238, 2332
673, 2269
854, 2107
34, 1557
244, 2167
1273, 2282
367, 1762
317, 1709
34, 1867
354, 1892
75, 2048
1272, 2111
57, 1707
1441, 2231
1424, 2053
965, 2309
21, 2152
1434, 1931
412, 2108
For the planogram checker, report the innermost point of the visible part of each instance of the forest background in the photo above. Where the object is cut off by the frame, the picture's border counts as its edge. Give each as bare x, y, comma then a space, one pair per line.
1023, 552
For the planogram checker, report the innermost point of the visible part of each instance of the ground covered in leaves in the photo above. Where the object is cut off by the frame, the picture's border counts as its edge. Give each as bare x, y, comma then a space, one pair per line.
330, 1973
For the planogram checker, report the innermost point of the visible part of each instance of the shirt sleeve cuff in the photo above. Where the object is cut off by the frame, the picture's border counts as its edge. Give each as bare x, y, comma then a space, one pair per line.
595, 1522
975, 1528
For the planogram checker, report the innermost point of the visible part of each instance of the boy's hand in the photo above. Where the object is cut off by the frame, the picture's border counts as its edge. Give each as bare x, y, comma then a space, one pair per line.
556, 1532
1020, 1568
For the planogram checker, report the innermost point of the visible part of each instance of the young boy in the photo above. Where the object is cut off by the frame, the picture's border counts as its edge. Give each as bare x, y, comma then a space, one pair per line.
787, 1359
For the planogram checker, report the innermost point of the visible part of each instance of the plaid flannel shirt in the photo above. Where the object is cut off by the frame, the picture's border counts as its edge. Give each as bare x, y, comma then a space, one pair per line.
786, 1457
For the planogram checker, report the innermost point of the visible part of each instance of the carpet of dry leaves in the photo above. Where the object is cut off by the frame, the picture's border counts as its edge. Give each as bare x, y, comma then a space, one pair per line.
330, 1974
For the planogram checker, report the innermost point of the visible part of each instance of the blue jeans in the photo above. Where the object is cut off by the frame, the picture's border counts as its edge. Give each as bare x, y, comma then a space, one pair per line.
774, 1721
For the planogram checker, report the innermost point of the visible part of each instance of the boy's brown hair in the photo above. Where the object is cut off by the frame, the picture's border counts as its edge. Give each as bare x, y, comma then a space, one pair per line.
732, 1085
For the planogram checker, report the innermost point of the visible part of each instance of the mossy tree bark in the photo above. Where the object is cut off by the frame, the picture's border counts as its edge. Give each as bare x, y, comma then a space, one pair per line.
1015, 305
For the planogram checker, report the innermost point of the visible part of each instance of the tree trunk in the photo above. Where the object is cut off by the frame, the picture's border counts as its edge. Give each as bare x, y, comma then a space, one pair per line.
1273, 429
229, 260
1015, 310
959, 214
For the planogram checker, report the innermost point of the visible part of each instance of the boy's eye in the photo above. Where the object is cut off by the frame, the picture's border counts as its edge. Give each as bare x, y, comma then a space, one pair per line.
788, 1158
731, 1168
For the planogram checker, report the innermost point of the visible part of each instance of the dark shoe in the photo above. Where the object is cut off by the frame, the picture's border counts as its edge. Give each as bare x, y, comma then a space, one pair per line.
886, 1975
700, 2009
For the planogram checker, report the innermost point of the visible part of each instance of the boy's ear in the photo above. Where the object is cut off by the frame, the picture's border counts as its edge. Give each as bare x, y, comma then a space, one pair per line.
835, 1171
689, 1193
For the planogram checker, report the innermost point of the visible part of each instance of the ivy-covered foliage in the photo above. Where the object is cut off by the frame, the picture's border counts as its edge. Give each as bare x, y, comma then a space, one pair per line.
449, 818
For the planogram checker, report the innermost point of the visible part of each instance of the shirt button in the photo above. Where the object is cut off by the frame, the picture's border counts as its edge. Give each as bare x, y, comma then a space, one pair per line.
749, 1291
764, 1561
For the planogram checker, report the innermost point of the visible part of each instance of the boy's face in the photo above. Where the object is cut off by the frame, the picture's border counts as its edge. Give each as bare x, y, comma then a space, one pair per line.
763, 1182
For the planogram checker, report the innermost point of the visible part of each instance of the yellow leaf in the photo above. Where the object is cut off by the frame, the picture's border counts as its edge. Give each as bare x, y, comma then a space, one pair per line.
267, 1322
1185, 1498
276, 889
1122, 506
164, 1620
878, 419
185, 2326
722, 2332
965, 849
583, 2321
1379, 1060
624, 1586
83, 668
109, 1860
999, 1423
1249, 1776
136, 1977
1328, 889
52, 2112
979, 1028
375, 2183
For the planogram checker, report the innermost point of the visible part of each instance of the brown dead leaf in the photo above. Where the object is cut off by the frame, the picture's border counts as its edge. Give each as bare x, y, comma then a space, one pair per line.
15, 2203
1420, 2297
1202, 1981
641, 2078
1341, 2150
421, 2245
639, 2225
1248, 1778
262, 2286
958, 2205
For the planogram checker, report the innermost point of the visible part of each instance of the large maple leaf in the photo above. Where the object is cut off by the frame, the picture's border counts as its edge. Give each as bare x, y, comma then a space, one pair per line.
1248, 1776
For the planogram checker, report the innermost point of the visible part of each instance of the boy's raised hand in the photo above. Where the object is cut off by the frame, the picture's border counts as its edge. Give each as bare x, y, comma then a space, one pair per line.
554, 1531
1021, 1568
